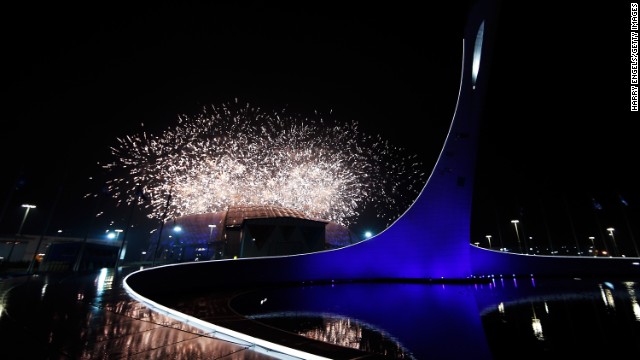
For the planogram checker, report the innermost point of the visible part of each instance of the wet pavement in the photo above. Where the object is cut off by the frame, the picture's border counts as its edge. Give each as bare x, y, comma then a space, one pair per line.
90, 316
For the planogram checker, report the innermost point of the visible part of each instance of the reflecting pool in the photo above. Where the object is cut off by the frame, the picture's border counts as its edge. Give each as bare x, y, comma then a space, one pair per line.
502, 318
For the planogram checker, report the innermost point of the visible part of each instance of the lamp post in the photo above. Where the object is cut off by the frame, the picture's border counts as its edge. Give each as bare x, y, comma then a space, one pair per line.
118, 231
489, 240
211, 227
24, 218
138, 198
162, 221
515, 225
177, 229
593, 244
613, 238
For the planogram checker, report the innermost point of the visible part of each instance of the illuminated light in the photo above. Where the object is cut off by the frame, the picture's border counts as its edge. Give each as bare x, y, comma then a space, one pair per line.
477, 52
636, 310
635, 307
43, 291
537, 328
100, 281
607, 297
235, 154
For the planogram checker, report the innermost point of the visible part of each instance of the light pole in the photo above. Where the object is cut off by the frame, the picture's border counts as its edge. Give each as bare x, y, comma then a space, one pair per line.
138, 198
489, 240
118, 231
26, 212
593, 244
162, 221
211, 227
615, 246
177, 229
24, 218
515, 225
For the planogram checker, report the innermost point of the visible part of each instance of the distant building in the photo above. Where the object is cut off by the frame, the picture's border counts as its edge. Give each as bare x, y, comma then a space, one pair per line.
57, 253
62, 256
245, 231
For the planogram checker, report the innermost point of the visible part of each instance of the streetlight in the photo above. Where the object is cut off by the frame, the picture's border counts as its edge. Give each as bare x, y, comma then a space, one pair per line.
162, 221
26, 212
211, 227
115, 234
615, 246
24, 218
139, 198
177, 229
515, 225
118, 231
489, 239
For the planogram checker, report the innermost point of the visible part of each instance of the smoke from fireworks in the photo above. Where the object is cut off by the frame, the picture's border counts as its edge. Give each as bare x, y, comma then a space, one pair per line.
241, 155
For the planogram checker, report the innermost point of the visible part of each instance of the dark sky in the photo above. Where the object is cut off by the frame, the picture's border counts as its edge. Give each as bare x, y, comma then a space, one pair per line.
559, 132
76, 78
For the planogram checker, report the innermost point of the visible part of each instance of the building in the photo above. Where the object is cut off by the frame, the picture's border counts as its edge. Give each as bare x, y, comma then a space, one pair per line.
57, 253
245, 231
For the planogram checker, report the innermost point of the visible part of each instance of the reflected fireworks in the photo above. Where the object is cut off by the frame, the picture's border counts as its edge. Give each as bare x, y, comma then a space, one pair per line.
237, 154
338, 330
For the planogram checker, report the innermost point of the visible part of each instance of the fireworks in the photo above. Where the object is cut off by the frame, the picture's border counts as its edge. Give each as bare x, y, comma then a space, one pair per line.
236, 154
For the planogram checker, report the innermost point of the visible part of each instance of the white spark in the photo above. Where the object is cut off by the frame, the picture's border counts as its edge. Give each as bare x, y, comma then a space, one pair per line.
241, 155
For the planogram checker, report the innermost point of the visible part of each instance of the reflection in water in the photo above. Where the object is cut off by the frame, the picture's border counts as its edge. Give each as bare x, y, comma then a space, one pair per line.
569, 318
520, 318
399, 320
90, 316
634, 299
536, 325
500, 319
336, 329
104, 280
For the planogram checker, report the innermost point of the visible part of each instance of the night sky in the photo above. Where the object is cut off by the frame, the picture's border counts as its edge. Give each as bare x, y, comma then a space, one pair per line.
557, 124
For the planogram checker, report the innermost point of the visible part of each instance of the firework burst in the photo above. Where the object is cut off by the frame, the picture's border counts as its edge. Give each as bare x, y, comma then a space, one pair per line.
236, 154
